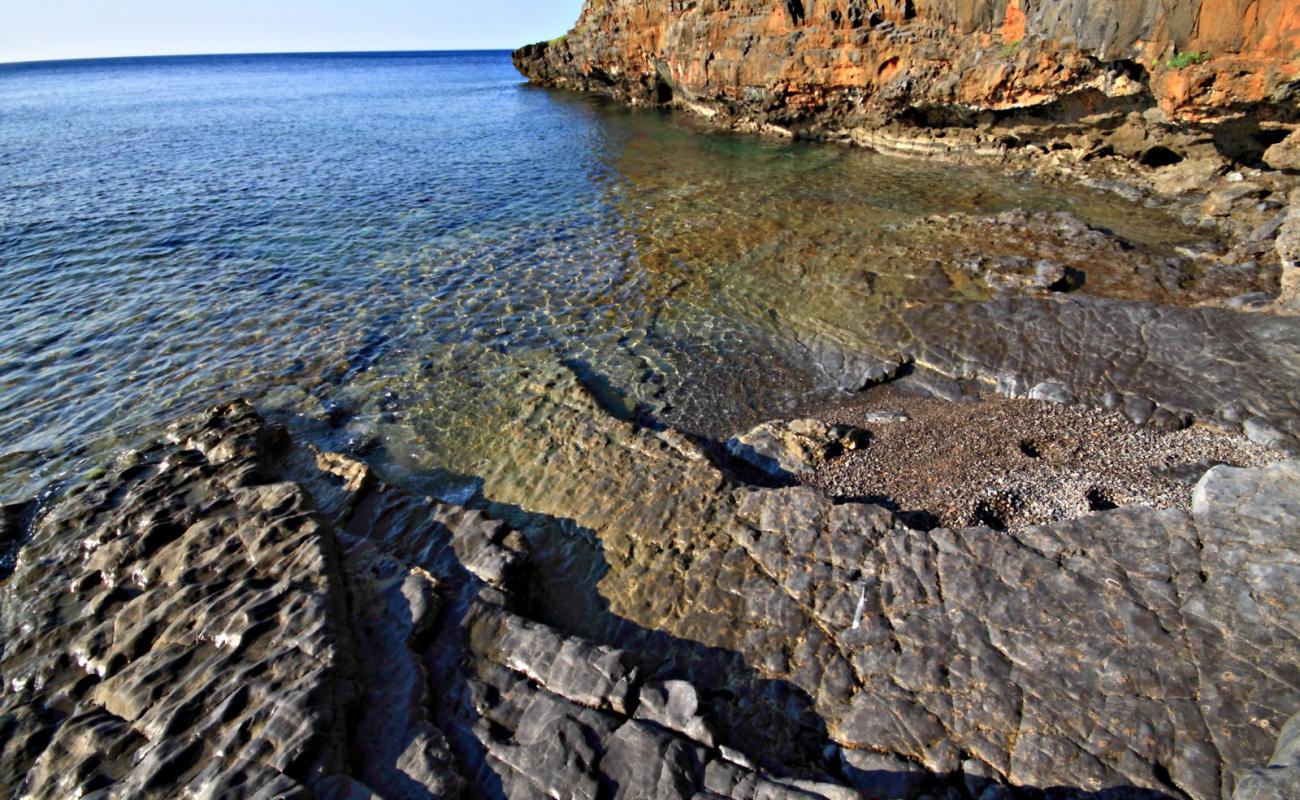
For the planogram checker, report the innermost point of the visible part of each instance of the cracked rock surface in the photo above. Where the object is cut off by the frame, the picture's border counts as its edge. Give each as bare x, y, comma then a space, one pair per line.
228, 614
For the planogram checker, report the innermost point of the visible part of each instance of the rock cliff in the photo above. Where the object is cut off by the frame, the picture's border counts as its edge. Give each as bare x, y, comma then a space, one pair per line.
1156, 80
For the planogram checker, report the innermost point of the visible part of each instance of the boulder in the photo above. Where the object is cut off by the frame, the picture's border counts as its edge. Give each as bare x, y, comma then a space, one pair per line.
1285, 154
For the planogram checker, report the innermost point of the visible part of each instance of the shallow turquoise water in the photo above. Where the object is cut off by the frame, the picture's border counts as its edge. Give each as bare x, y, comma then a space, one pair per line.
397, 236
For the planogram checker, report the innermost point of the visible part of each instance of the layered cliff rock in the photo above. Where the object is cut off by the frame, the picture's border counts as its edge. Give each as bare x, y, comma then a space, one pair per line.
1114, 76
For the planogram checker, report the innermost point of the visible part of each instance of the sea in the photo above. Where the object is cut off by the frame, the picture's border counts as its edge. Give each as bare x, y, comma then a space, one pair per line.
380, 249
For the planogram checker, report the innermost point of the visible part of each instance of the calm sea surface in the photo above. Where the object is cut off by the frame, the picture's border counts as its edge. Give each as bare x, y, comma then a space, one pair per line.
393, 238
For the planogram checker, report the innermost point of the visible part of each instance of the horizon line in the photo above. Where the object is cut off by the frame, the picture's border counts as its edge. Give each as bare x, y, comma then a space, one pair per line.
74, 60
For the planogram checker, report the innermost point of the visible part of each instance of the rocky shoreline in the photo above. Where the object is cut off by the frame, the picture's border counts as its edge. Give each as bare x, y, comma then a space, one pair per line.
1043, 541
230, 613
1194, 105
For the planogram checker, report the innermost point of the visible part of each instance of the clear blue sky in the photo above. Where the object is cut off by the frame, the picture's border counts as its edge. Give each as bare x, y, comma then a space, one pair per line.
32, 30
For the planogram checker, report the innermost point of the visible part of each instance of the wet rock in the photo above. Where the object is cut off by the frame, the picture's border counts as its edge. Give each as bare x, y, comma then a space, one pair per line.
1012, 386
784, 449
1188, 361
1138, 409
851, 370
1261, 433
932, 383
1162, 419
1188, 474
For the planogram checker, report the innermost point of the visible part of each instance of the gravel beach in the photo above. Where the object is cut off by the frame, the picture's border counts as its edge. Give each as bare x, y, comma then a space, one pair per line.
1010, 463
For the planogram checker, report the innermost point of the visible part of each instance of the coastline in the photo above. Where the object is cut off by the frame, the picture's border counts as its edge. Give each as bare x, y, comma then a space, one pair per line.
1041, 541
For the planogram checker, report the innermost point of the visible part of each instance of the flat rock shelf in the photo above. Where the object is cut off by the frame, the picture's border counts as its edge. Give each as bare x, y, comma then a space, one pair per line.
227, 612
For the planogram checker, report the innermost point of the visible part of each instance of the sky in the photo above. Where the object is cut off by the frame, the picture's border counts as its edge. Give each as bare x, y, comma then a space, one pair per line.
37, 30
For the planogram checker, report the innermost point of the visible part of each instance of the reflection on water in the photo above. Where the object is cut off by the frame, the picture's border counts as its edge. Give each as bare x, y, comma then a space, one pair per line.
394, 239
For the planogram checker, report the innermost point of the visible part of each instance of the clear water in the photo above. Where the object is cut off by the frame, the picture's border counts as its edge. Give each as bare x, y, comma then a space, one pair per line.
400, 235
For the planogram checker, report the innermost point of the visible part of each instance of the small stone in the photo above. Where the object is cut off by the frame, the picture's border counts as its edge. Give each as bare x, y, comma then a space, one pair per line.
1012, 386
1138, 410
1052, 392
884, 417
1162, 419
356, 474
785, 449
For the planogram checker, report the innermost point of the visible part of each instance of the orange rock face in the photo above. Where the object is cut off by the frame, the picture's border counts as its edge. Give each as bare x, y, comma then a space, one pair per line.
822, 66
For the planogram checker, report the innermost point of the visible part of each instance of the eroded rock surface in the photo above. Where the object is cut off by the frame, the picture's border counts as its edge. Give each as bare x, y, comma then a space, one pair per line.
791, 448
971, 645
1098, 78
233, 615
1207, 363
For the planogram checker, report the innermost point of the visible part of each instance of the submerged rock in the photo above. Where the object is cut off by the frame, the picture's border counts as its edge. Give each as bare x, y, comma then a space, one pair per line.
1208, 364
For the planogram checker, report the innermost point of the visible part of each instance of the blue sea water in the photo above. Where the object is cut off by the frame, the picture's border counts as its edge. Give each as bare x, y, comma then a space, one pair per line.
317, 231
